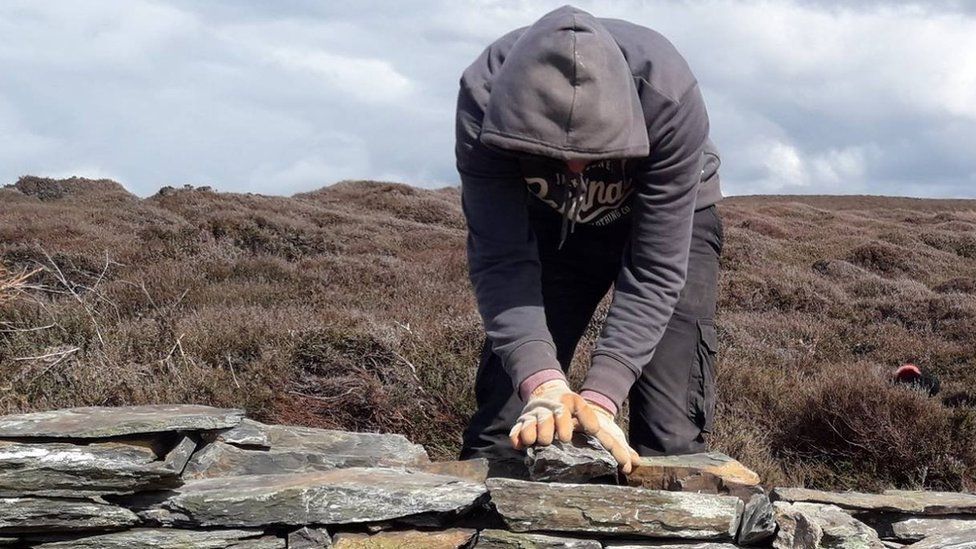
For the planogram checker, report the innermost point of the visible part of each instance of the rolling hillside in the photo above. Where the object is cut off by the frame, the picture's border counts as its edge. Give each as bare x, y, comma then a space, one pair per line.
350, 307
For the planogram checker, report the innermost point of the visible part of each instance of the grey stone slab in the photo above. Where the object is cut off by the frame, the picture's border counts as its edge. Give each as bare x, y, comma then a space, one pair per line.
703, 472
475, 470
337, 496
616, 510
957, 540
257, 449
390, 449
177, 458
503, 539
815, 526
454, 538
172, 538
101, 422
309, 538
758, 522
918, 528
43, 515
703, 545
75, 470
219, 459
581, 460
891, 501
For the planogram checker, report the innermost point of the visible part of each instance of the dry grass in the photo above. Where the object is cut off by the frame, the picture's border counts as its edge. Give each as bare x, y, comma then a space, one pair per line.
350, 307
12, 284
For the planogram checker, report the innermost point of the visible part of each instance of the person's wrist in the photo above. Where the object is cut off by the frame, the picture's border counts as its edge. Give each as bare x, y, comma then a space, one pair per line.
538, 380
600, 401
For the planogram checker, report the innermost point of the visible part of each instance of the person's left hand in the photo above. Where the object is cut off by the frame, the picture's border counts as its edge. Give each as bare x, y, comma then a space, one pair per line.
611, 436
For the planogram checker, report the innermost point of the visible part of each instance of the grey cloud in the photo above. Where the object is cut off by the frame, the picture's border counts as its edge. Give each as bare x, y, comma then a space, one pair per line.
281, 97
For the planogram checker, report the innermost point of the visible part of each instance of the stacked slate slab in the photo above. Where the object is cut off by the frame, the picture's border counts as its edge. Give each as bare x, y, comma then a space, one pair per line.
191, 477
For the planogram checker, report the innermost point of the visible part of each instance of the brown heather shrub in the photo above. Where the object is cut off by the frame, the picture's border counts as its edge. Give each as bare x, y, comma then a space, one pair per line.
349, 307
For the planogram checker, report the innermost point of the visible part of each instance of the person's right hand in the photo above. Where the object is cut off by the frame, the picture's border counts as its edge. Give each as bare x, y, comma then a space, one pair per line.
550, 412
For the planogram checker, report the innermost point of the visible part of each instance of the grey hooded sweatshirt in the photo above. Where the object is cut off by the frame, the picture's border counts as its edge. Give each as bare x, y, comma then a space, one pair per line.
572, 86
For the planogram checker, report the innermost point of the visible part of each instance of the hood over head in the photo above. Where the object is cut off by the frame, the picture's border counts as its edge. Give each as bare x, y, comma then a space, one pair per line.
565, 91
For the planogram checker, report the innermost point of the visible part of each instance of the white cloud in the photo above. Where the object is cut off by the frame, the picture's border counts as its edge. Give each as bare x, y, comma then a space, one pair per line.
804, 95
368, 79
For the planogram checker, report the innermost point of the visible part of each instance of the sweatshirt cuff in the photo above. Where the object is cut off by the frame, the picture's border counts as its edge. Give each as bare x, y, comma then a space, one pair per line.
536, 379
610, 377
529, 358
601, 400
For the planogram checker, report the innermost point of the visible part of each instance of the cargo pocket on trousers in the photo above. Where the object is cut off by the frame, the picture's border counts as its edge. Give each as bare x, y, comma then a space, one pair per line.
702, 382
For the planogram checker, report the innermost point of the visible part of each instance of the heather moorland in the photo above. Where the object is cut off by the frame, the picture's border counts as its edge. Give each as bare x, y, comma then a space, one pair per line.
349, 307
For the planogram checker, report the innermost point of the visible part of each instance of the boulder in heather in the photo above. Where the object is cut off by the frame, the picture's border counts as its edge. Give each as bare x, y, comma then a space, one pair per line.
614, 510
102, 422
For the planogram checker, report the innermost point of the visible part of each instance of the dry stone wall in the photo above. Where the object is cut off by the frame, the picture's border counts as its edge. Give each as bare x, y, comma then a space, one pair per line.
189, 477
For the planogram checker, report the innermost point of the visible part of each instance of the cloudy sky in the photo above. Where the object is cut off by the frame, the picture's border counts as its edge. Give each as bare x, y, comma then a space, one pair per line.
279, 97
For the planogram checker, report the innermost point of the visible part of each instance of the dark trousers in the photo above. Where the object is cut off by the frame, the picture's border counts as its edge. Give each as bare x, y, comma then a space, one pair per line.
672, 403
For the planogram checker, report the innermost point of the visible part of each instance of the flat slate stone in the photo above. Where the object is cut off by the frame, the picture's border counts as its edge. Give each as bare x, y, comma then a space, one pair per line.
337, 496
711, 472
44, 515
475, 470
581, 460
309, 538
918, 528
618, 510
503, 539
254, 448
890, 501
171, 538
815, 525
758, 522
704, 545
383, 448
100, 422
957, 540
75, 470
406, 539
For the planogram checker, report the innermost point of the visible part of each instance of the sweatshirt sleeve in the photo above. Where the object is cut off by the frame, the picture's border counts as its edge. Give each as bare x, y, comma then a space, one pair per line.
503, 258
655, 259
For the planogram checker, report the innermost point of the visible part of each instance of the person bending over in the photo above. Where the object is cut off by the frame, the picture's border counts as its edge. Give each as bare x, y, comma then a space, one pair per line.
583, 151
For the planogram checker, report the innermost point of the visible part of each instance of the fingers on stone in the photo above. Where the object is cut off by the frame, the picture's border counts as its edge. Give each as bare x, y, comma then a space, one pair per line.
588, 421
565, 424
529, 433
513, 435
546, 428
